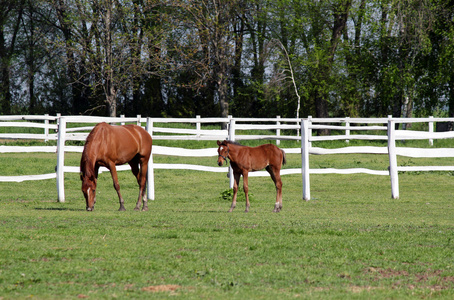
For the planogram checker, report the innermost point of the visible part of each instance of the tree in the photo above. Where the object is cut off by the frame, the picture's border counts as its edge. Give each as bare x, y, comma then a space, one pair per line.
435, 68
311, 32
207, 45
414, 19
321, 69
10, 18
211, 57
109, 46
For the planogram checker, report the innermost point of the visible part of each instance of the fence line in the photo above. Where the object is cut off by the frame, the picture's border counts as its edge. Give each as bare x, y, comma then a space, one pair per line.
391, 149
350, 129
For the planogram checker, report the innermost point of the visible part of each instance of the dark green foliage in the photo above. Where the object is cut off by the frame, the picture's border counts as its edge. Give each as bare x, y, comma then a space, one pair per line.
227, 195
342, 58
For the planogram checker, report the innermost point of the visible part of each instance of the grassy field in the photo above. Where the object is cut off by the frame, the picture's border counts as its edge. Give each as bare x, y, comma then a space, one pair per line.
350, 241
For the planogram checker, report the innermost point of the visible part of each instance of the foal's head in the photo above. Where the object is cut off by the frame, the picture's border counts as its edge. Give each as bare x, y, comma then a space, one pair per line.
223, 152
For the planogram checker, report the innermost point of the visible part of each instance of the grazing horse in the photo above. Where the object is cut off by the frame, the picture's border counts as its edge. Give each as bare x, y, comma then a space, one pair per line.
245, 159
108, 146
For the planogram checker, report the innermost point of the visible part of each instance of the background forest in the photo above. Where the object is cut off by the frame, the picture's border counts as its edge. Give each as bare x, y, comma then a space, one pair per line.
247, 58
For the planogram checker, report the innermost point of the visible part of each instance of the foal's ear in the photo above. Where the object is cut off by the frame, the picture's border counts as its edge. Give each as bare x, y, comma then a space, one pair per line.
219, 143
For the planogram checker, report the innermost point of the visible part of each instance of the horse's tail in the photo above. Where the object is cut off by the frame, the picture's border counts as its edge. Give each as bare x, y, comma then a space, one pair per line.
284, 160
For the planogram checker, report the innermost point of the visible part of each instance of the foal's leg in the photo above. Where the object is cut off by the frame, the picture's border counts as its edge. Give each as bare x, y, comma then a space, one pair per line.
113, 172
275, 175
246, 190
278, 184
236, 182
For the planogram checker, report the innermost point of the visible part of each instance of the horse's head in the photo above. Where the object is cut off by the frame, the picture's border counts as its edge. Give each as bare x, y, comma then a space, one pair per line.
88, 183
89, 191
223, 152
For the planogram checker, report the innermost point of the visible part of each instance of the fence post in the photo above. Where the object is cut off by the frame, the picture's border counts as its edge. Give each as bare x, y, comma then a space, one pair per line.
150, 170
46, 128
231, 138
305, 159
347, 130
61, 159
122, 116
278, 131
58, 120
138, 120
309, 119
393, 159
198, 126
431, 130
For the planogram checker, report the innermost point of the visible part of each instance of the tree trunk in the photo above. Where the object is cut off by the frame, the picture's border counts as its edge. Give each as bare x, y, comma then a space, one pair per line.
352, 60
324, 71
451, 97
5, 93
30, 61
236, 69
111, 99
111, 93
6, 52
223, 101
321, 110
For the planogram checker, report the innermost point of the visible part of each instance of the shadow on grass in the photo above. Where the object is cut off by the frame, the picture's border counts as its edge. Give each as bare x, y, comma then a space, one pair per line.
59, 208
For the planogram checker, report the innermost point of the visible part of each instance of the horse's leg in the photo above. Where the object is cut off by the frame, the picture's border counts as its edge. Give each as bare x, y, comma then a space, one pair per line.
135, 170
143, 184
113, 172
276, 176
246, 190
236, 182
96, 181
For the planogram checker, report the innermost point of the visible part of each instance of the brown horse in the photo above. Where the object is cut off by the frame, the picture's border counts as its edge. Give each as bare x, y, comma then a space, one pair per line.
245, 159
108, 146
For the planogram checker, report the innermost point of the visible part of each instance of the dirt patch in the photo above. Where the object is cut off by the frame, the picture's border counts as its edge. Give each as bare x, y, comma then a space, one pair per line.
430, 279
359, 289
380, 273
161, 288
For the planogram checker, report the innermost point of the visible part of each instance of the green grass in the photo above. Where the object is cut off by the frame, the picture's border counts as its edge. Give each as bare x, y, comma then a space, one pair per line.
350, 241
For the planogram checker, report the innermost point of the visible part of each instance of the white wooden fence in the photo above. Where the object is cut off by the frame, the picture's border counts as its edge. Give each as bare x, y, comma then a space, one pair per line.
378, 124
67, 128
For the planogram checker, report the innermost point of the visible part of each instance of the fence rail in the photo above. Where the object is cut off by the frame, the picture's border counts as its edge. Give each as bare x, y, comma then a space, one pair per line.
69, 128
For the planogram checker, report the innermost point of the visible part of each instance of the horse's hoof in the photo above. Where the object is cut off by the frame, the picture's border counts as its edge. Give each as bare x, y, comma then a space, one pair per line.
136, 208
122, 209
145, 209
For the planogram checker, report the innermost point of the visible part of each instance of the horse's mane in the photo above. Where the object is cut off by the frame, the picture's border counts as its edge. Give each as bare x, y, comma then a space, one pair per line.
86, 164
86, 169
232, 143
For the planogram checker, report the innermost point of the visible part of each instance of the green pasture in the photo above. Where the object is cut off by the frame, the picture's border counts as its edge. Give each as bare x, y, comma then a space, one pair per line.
351, 241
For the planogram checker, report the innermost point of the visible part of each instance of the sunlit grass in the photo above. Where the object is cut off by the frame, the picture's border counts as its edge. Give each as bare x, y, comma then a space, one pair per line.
351, 241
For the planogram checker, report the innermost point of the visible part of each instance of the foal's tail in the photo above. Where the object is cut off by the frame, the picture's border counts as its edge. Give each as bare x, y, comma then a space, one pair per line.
284, 160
